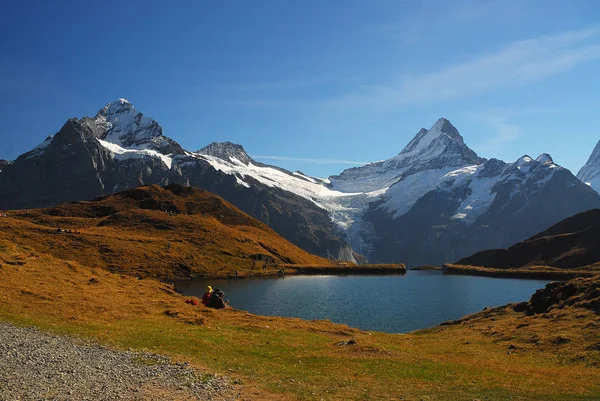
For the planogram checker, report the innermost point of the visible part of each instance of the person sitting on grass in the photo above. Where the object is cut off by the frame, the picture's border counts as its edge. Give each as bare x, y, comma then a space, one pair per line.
206, 296
217, 300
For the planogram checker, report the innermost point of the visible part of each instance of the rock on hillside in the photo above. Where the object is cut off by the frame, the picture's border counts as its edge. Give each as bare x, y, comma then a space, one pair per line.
577, 293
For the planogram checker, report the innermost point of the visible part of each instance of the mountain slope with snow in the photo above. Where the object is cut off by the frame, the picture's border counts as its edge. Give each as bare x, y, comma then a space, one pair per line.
590, 172
120, 148
439, 148
488, 206
435, 201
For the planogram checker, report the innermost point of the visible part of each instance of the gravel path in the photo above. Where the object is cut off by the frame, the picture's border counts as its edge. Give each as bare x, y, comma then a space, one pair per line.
40, 366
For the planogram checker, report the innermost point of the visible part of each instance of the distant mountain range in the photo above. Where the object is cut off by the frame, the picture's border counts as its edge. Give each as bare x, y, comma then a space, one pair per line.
436, 201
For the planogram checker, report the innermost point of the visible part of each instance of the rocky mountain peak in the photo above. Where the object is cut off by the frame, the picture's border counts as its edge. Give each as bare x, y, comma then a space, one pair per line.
118, 106
424, 138
227, 151
125, 126
545, 158
128, 128
590, 172
523, 160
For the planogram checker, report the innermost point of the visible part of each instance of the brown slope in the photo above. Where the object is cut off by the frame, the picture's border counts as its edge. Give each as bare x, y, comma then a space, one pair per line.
170, 232
573, 243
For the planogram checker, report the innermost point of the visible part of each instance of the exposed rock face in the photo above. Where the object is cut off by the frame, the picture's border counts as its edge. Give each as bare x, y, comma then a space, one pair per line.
3, 163
578, 293
226, 151
73, 165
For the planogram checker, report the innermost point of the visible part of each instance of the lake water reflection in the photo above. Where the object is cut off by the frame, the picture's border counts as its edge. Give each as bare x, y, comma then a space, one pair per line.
394, 304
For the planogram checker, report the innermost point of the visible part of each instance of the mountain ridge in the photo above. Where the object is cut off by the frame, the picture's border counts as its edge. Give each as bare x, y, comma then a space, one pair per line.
374, 210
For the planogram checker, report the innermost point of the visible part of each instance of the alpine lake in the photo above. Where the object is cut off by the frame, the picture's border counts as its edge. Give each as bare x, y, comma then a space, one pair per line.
393, 304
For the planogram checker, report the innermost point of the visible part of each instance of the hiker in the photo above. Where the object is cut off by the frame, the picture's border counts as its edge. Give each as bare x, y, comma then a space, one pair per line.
206, 296
217, 300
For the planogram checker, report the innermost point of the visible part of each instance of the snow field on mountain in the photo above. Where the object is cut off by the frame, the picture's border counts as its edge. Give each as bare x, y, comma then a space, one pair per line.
481, 196
343, 207
402, 196
120, 153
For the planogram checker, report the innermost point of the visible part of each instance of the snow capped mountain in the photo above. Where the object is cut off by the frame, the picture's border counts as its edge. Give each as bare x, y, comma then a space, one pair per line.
488, 206
227, 151
123, 126
439, 148
120, 148
435, 201
590, 172
481, 183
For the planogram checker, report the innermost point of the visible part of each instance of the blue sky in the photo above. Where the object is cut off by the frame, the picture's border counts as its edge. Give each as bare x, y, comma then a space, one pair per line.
311, 85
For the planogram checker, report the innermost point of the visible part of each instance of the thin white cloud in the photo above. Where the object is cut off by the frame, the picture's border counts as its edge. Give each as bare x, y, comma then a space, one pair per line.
504, 134
520, 63
308, 160
449, 15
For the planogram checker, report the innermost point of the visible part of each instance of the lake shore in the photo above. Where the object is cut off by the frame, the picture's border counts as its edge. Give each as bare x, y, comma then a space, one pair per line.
308, 270
533, 272
427, 268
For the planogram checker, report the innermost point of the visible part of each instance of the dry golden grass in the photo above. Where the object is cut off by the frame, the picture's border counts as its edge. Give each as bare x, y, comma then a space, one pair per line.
492, 355
131, 233
532, 272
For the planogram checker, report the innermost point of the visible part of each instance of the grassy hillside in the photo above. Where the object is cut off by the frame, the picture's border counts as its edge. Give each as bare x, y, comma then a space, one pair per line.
172, 232
570, 248
551, 352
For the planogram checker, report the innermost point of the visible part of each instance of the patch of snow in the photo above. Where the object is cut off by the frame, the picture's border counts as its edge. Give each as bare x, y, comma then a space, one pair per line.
379, 192
305, 177
41, 148
344, 208
241, 182
121, 153
402, 196
480, 198
459, 216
